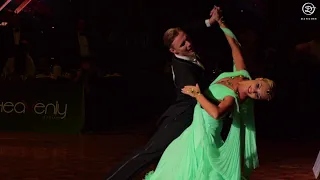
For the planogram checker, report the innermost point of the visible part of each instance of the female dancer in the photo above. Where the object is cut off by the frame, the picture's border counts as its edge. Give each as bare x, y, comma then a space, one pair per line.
199, 153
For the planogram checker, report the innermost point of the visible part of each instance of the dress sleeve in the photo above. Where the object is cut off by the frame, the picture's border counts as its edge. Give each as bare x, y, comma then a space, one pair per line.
245, 73
230, 33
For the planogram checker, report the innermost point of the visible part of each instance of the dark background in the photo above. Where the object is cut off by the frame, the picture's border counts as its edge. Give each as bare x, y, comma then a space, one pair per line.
124, 34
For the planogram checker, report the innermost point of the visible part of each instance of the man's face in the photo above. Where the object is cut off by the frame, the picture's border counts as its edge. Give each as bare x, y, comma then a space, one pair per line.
181, 45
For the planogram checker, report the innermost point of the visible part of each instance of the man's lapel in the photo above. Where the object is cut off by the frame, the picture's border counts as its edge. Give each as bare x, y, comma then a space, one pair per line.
194, 60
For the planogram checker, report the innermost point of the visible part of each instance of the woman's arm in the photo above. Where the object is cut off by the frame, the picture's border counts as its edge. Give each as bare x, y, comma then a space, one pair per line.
235, 47
215, 111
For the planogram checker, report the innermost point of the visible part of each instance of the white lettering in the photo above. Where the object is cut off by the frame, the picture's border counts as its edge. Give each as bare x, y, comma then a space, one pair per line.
37, 108
64, 113
23, 108
54, 109
10, 107
49, 109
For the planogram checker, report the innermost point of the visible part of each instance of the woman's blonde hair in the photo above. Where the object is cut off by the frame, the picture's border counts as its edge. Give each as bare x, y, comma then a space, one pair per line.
271, 90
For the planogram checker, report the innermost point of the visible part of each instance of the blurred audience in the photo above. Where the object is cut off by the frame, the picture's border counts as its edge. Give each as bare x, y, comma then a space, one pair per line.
21, 64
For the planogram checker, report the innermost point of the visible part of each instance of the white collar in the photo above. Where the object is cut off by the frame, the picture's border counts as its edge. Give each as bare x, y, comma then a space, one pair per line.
184, 57
193, 60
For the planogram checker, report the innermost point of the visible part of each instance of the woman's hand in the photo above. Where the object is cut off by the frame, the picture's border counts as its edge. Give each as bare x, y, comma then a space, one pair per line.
217, 14
192, 91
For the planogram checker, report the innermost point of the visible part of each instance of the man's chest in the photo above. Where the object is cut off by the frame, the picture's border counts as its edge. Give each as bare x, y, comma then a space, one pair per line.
186, 68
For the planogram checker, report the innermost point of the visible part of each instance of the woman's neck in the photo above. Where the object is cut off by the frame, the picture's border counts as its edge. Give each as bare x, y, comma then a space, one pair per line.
242, 90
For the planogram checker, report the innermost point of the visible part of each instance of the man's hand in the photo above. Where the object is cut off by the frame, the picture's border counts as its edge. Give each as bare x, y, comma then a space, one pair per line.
212, 18
215, 15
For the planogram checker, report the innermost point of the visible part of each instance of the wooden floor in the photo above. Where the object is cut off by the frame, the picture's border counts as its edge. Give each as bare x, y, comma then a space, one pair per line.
89, 157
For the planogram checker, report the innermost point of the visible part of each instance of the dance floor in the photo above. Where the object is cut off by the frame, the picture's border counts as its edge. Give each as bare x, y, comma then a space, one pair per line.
32, 156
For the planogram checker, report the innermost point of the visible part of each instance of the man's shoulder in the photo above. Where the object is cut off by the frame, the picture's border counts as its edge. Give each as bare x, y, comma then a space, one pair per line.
178, 60
181, 62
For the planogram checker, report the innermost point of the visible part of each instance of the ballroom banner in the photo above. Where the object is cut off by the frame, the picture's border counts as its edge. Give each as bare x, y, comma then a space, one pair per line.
41, 106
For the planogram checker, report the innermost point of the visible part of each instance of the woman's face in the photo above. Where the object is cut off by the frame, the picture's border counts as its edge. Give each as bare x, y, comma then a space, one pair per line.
258, 89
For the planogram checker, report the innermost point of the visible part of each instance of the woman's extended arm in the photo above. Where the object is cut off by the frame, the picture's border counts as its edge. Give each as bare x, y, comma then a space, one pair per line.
235, 47
216, 111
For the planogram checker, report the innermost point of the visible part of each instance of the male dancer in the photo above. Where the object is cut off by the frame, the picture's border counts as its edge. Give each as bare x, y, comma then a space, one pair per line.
187, 70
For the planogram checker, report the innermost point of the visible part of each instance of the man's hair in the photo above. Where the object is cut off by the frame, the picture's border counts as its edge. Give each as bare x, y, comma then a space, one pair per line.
170, 35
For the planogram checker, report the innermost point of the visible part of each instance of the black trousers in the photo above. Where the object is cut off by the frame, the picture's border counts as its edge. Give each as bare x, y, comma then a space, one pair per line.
175, 120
